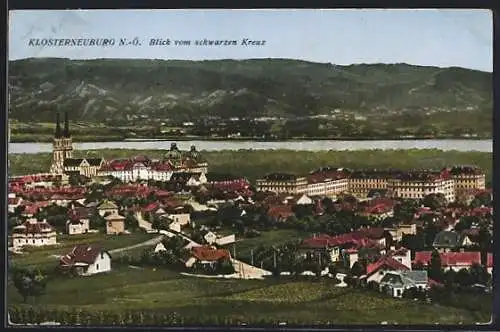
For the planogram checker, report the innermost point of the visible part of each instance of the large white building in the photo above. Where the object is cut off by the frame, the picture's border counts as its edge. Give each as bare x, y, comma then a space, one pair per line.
143, 168
33, 233
417, 185
327, 182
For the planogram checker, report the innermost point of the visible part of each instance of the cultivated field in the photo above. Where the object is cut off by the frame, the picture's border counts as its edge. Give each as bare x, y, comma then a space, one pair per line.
247, 301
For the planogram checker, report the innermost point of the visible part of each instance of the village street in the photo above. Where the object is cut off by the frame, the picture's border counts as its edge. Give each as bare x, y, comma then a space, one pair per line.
150, 242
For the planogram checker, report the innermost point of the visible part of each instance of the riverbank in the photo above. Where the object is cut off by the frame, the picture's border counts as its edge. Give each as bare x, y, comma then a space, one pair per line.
257, 163
116, 138
299, 145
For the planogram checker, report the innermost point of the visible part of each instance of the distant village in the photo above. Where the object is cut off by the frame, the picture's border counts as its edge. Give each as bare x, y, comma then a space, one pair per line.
396, 231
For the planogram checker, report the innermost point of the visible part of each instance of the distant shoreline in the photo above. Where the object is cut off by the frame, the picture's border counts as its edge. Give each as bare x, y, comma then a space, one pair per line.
48, 139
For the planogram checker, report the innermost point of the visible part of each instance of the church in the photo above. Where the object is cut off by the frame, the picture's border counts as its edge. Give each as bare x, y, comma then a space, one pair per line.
62, 154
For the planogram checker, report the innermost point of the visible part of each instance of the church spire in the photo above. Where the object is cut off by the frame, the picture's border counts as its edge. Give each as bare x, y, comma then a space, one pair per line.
66, 125
57, 134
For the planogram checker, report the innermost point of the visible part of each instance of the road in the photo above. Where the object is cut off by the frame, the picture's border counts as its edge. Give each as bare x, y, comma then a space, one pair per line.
150, 242
247, 271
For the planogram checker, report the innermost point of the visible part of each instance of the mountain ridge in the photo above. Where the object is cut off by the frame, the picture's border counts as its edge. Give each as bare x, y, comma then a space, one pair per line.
127, 91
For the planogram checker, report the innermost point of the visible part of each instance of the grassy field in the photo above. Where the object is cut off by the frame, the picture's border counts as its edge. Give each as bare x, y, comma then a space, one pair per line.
272, 301
46, 256
256, 163
266, 239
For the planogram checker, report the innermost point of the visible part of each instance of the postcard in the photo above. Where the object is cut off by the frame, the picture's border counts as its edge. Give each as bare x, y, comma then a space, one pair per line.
250, 167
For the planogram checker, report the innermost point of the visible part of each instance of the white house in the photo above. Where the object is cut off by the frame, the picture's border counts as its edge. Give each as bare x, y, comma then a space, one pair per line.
77, 226
197, 180
87, 260
33, 233
182, 219
210, 237
395, 283
160, 247
304, 200
221, 241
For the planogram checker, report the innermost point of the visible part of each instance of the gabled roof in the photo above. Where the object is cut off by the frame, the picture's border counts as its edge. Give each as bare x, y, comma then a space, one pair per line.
81, 253
450, 258
94, 161
387, 262
406, 278
72, 162
107, 205
447, 239
205, 253
33, 227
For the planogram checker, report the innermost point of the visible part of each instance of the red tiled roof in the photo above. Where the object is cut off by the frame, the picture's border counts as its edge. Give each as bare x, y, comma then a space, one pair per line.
481, 211
14, 200
489, 260
29, 227
280, 211
377, 209
450, 258
386, 261
150, 207
81, 253
204, 253
163, 167
372, 232
359, 239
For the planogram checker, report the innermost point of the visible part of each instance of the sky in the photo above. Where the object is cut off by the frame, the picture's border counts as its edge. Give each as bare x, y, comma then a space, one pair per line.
443, 38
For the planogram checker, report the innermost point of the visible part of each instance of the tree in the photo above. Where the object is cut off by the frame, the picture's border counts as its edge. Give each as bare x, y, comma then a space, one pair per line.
479, 274
434, 269
450, 278
358, 269
406, 209
131, 222
464, 278
372, 285
434, 201
224, 266
29, 283
414, 242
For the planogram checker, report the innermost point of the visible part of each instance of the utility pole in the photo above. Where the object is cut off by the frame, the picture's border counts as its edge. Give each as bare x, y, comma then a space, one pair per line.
234, 251
251, 253
274, 258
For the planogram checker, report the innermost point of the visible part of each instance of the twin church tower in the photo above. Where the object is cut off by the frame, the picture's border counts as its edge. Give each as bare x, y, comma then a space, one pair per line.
62, 147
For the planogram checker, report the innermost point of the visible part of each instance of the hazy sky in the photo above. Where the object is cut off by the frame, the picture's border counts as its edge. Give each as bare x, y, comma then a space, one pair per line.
441, 38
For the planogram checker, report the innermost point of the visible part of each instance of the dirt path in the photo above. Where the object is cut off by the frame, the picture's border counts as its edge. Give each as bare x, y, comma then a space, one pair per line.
150, 242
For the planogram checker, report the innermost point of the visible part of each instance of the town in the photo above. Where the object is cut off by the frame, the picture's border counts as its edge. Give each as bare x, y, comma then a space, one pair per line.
417, 234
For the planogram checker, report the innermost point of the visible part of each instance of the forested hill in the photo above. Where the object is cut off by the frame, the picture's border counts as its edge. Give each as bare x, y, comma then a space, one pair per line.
119, 91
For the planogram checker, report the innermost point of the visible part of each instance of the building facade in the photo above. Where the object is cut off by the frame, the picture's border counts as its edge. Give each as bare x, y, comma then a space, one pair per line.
62, 154
362, 181
467, 178
33, 233
143, 168
86, 260
283, 183
418, 184
327, 182
62, 146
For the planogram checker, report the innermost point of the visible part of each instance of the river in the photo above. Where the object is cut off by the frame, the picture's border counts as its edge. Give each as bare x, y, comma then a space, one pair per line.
446, 145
